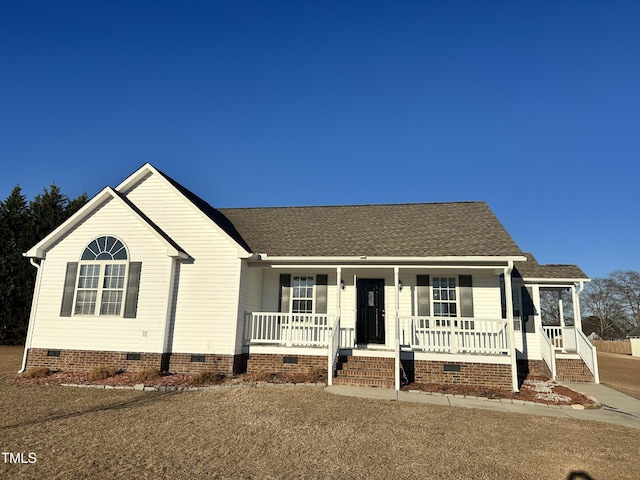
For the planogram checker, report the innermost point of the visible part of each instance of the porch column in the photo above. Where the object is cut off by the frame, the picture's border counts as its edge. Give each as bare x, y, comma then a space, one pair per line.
562, 325
339, 296
508, 294
575, 293
396, 278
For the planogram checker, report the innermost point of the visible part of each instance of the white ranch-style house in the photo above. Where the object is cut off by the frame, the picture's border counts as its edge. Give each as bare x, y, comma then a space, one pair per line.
149, 275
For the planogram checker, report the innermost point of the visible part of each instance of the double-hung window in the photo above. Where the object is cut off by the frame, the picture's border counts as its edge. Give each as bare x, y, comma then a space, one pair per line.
101, 278
444, 300
302, 298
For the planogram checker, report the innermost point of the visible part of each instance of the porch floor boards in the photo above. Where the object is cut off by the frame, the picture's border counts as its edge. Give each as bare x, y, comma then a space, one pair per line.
365, 371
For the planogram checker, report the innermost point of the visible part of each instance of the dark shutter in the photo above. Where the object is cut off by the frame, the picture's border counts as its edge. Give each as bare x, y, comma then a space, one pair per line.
133, 285
422, 295
321, 293
528, 309
69, 289
466, 296
285, 292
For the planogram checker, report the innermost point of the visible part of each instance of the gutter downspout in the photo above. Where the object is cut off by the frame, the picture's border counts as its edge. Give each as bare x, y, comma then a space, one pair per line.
512, 336
32, 316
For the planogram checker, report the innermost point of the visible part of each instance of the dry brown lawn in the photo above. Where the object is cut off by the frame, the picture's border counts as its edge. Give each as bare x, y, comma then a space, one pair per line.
621, 372
288, 432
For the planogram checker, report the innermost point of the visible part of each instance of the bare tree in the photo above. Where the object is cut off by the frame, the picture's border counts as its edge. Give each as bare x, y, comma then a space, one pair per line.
601, 300
550, 308
626, 285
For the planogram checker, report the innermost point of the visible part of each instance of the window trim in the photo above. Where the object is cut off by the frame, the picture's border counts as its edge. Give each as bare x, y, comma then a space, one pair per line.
101, 289
455, 301
293, 298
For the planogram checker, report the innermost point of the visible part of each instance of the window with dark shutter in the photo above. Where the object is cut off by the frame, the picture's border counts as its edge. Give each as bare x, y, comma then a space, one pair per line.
422, 295
466, 296
285, 292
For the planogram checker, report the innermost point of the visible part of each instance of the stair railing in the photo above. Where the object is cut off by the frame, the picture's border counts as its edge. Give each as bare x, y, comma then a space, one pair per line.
332, 350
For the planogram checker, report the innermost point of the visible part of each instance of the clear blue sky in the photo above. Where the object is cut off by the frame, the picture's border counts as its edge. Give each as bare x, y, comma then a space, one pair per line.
533, 107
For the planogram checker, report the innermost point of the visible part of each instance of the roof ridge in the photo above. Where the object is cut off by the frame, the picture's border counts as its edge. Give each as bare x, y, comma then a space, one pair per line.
359, 205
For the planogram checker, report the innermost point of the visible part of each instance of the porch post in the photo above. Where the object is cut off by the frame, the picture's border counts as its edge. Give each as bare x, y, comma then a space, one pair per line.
508, 294
562, 325
396, 277
338, 280
577, 316
339, 296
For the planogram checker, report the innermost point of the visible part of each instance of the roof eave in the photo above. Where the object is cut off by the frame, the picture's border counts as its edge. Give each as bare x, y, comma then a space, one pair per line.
391, 259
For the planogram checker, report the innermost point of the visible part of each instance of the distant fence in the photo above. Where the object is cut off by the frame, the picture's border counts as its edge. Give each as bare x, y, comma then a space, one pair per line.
613, 346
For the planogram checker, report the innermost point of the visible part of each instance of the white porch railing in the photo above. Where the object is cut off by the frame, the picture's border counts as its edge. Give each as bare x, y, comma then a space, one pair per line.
347, 337
588, 354
562, 338
302, 329
555, 336
548, 354
455, 335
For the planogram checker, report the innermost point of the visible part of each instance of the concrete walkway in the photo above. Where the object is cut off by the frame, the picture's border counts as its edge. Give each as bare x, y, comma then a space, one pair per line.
617, 408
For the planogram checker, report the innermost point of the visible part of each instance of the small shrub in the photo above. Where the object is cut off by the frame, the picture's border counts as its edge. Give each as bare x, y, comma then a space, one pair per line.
37, 372
147, 375
208, 377
101, 373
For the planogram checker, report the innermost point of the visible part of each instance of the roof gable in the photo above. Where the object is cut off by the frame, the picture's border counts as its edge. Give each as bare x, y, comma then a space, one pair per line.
107, 194
204, 207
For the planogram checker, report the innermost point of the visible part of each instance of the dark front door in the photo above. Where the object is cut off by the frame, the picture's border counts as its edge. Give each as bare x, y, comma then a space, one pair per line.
370, 324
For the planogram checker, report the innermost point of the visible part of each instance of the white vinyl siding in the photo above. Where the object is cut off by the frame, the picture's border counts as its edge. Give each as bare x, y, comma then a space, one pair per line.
206, 308
95, 332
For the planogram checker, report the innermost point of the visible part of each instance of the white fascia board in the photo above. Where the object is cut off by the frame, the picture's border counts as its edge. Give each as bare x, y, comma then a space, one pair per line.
395, 260
107, 194
37, 251
363, 266
147, 169
134, 178
555, 282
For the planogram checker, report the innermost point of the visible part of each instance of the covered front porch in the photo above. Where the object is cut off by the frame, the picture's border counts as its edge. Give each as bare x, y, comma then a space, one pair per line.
563, 339
442, 314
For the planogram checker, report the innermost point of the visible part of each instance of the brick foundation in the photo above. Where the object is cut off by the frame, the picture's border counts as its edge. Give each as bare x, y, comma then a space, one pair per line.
182, 363
259, 362
87, 360
472, 374
536, 368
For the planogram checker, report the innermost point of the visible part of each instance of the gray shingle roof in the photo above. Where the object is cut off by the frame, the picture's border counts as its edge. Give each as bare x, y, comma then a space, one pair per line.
407, 230
532, 269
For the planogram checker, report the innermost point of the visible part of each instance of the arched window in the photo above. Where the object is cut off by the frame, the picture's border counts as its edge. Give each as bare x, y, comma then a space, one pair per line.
105, 248
101, 277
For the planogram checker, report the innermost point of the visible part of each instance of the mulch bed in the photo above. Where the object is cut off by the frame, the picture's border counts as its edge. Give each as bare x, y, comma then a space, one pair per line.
166, 379
534, 389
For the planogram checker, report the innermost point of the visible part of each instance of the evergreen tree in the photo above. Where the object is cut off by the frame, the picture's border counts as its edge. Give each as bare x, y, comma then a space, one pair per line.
23, 225
16, 275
